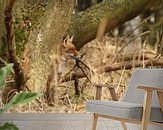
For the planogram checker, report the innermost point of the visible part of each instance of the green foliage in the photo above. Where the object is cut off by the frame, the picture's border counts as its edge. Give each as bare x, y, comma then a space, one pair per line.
5, 71
20, 98
8, 126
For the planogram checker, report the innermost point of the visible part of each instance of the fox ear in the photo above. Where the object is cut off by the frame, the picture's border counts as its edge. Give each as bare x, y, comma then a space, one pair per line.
66, 40
71, 39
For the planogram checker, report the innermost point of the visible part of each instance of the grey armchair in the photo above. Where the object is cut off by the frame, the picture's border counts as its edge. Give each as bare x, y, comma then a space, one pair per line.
138, 106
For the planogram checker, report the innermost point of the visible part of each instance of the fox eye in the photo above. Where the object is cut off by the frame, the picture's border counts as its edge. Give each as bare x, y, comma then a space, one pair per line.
71, 50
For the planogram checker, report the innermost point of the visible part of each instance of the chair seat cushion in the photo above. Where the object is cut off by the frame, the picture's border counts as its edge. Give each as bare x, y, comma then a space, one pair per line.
125, 110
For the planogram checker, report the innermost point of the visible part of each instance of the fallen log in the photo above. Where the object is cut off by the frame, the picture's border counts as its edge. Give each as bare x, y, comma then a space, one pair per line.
116, 67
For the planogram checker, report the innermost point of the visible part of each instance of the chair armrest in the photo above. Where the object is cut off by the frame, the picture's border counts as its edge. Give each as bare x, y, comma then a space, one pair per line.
103, 85
147, 88
148, 99
111, 89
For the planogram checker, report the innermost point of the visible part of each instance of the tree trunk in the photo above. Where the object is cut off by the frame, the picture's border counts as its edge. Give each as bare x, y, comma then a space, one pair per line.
10, 41
84, 25
44, 40
2, 31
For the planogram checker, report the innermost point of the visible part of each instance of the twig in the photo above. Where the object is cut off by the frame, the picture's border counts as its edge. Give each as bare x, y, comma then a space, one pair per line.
69, 101
68, 72
39, 106
129, 33
79, 61
3, 61
160, 41
9, 81
144, 33
77, 64
119, 66
76, 59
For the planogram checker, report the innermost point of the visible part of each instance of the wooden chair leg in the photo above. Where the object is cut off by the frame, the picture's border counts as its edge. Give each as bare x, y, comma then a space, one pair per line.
98, 93
146, 110
95, 119
113, 94
124, 125
160, 98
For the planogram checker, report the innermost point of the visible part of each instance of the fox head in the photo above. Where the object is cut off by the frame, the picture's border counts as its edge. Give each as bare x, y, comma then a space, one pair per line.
68, 50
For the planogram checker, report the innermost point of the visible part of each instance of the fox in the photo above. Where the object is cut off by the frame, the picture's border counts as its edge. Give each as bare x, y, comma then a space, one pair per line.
66, 51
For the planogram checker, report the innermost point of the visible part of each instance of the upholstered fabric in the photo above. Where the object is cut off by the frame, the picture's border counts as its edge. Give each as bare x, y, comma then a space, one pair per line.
132, 105
132, 111
143, 77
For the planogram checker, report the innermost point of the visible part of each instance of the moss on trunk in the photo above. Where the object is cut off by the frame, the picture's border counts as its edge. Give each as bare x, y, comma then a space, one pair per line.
84, 25
43, 40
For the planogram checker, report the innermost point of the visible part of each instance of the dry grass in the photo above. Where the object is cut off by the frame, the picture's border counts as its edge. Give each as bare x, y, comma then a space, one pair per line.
96, 54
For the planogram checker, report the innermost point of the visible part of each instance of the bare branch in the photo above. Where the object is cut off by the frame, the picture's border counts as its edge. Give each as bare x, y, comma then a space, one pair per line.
118, 66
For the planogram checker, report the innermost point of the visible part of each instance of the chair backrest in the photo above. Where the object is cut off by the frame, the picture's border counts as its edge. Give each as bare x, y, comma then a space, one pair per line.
143, 77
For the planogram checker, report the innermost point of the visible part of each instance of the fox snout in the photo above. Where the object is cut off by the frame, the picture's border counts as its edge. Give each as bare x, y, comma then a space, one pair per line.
75, 55
79, 56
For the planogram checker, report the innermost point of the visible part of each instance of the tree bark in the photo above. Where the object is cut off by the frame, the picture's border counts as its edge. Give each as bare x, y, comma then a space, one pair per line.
10, 41
84, 25
2, 26
44, 40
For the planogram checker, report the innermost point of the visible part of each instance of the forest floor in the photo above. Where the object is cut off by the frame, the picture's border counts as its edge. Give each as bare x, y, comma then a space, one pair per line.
97, 53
